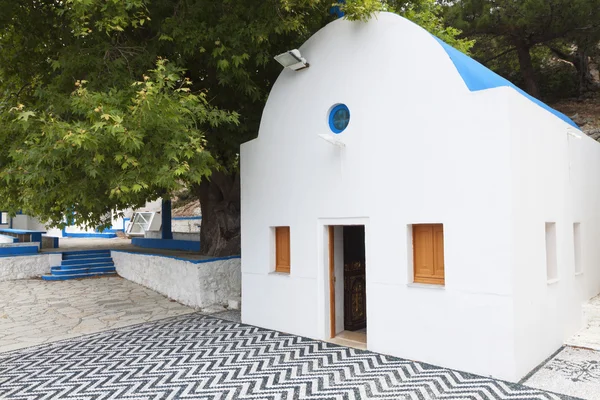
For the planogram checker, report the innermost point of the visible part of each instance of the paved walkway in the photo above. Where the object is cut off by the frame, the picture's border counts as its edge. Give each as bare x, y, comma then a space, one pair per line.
589, 336
200, 357
34, 311
572, 371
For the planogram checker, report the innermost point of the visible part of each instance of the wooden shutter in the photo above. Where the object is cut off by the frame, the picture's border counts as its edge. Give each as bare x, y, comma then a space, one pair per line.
428, 249
282, 249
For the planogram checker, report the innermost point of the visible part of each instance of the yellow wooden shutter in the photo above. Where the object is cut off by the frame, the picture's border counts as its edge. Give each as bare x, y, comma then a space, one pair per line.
428, 248
282, 249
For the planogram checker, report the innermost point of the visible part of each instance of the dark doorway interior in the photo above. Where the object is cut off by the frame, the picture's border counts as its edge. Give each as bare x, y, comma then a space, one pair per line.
355, 296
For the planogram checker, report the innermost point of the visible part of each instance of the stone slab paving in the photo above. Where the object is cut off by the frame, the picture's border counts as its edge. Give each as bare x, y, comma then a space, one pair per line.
195, 356
33, 311
572, 371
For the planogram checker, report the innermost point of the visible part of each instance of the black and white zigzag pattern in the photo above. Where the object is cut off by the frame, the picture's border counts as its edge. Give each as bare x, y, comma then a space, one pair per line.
199, 357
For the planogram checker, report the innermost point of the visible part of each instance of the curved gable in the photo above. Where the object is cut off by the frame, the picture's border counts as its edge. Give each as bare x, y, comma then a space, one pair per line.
478, 77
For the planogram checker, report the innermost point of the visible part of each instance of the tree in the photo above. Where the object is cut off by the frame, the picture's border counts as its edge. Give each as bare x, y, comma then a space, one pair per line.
522, 25
89, 122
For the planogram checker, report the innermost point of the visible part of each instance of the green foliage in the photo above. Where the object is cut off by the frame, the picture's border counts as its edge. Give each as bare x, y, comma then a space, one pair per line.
425, 13
122, 146
516, 28
429, 15
361, 10
532, 21
106, 16
119, 139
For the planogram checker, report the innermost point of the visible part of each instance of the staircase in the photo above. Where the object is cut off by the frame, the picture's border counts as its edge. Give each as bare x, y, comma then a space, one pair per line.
589, 337
83, 264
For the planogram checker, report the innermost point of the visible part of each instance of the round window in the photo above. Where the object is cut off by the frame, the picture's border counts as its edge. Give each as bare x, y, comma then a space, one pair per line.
339, 118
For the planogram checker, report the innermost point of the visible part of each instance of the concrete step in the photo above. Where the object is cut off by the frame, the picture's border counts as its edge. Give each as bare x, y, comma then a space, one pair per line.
76, 276
82, 266
56, 272
589, 336
94, 260
591, 312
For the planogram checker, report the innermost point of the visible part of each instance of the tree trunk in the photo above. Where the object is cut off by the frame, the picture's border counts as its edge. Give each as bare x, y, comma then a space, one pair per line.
220, 202
582, 64
526, 66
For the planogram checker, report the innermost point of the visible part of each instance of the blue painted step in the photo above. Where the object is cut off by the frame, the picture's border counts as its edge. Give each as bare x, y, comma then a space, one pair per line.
83, 271
76, 276
83, 264
68, 256
94, 260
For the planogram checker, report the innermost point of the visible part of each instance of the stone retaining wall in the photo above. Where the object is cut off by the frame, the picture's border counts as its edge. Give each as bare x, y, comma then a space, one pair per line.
199, 284
24, 267
19, 244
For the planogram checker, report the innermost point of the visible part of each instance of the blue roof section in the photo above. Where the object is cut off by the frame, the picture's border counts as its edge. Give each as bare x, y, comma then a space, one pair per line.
478, 77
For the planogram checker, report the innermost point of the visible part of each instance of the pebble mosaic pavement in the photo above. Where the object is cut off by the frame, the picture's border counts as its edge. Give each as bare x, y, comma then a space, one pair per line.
201, 357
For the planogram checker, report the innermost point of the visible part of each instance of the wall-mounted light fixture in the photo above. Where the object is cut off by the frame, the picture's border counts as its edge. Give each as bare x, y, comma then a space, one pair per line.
292, 59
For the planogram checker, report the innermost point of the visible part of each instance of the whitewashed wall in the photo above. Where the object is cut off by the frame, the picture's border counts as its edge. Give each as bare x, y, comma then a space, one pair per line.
24, 267
420, 148
26, 222
556, 177
196, 285
186, 225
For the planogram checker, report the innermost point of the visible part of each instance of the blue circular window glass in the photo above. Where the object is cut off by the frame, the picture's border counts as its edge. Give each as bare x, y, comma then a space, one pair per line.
339, 118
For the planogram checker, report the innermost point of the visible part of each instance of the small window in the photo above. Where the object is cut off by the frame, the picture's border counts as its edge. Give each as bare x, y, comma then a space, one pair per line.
551, 260
3, 218
428, 254
339, 118
282, 249
577, 247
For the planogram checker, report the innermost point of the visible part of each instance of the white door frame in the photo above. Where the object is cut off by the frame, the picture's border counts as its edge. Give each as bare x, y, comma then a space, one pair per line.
324, 317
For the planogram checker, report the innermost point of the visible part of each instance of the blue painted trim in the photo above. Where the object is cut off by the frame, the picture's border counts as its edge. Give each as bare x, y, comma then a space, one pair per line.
332, 113
90, 235
167, 244
185, 218
21, 231
111, 230
36, 236
179, 258
7, 251
335, 10
85, 252
477, 77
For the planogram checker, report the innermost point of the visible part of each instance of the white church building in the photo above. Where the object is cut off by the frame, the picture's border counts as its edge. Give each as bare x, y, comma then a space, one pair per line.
402, 193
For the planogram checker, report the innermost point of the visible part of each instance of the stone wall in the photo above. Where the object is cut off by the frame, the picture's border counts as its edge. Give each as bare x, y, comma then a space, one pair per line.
199, 284
18, 244
23, 267
193, 236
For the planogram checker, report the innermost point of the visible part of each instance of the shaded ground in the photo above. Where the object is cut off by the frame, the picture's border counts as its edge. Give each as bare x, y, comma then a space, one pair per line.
195, 356
34, 311
584, 112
